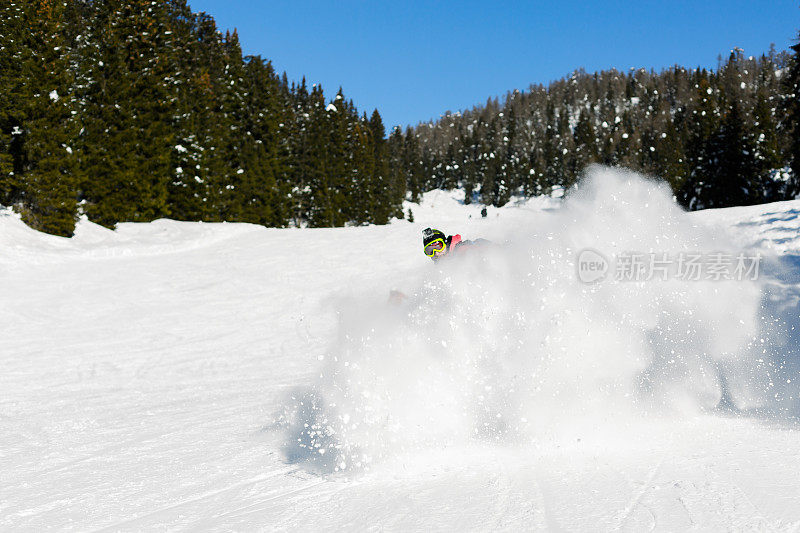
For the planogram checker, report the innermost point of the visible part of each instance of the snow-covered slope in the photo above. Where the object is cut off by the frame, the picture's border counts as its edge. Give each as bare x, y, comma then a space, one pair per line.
188, 376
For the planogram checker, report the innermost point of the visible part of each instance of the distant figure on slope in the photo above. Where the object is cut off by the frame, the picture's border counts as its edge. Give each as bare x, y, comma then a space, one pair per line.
437, 245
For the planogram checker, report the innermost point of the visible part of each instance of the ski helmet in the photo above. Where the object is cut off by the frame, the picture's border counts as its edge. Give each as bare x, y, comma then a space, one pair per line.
434, 242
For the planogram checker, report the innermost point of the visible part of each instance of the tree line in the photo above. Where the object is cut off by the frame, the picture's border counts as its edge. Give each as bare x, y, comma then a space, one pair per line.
132, 110
719, 138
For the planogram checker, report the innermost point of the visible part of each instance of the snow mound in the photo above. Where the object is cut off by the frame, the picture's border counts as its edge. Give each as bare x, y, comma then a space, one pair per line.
507, 345
162, 236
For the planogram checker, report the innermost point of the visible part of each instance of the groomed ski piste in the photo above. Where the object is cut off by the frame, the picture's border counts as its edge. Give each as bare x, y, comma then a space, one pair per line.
229, 377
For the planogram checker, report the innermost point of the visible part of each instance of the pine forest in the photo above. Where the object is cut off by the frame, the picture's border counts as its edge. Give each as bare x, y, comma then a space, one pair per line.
137, 110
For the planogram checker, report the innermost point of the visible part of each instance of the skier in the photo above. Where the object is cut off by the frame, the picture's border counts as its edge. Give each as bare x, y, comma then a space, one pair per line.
437, 245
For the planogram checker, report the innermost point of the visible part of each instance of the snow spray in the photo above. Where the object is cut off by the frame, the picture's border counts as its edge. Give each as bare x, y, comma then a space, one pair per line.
513, 344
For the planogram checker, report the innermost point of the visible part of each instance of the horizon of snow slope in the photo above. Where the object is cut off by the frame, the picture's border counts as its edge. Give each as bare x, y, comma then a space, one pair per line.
177, 375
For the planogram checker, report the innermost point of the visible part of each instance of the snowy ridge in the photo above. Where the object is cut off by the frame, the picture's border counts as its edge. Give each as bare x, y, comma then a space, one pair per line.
161, 376
128, 239
774, 227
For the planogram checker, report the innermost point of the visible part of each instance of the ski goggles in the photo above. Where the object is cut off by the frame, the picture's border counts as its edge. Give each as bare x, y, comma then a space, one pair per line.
434, 247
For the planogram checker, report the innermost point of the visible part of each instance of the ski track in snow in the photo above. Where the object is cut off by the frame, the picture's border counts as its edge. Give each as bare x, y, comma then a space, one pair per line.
144, 370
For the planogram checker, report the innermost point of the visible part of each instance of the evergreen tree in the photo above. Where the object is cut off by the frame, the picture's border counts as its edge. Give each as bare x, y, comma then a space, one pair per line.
563, 166
551, 167
513, 166
128, 112
487, 164
13, 55
625, 141
238, 161
704, 148
264, 198
198, 126
736, 179
36, 118
669, 157
586, 150
383, 192
767, 148
399, 172
412, 166
450, 172
340, 168
792, 110
314, 153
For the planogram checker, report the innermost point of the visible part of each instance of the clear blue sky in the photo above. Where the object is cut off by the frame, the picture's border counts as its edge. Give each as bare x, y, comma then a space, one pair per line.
414, 60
